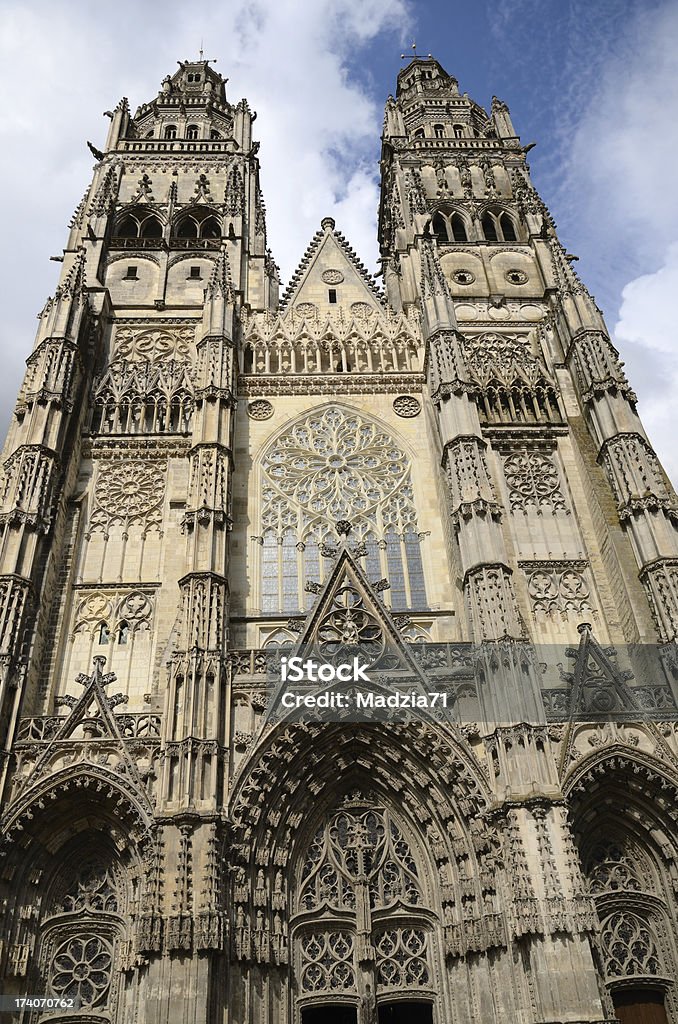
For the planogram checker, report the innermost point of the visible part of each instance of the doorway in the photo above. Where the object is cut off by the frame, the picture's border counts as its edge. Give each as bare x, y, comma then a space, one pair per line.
640, 1006
406, 1013
336, 1014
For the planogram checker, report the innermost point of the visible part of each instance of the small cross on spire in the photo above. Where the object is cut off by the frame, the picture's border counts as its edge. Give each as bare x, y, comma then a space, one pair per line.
411, 56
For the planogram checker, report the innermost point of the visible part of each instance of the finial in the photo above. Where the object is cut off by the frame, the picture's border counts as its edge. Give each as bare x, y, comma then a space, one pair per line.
328, 223
344, 527
411, 56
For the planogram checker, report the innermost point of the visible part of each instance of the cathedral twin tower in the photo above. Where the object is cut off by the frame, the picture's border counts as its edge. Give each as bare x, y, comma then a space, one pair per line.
448, 475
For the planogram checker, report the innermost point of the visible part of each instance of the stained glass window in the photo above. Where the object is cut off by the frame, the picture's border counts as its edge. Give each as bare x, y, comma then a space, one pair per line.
337, 465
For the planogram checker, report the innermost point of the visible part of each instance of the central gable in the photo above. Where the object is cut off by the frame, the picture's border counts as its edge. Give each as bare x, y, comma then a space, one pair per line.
330, 277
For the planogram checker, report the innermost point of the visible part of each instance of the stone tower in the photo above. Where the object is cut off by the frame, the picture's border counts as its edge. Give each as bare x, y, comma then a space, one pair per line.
449, 476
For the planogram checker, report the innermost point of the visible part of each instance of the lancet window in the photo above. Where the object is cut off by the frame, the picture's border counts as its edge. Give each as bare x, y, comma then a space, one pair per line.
336, 465
449, 226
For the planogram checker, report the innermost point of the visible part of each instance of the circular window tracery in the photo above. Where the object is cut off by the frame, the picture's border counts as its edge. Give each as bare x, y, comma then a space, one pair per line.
338, 466
81, 969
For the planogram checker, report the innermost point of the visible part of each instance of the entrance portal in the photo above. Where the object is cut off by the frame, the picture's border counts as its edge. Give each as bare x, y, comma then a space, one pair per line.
406, 1013
329, 1015
640, 1006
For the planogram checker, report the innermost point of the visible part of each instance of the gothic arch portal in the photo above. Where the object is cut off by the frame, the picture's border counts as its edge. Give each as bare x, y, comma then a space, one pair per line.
79, 857
349, 932
623, 817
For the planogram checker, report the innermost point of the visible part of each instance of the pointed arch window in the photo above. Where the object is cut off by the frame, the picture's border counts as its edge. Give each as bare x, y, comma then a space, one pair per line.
200, 226
139, 222
337, 465
499, 226
449, 226
359, 874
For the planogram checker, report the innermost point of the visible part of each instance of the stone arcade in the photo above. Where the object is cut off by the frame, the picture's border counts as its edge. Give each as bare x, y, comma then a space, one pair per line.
449, 474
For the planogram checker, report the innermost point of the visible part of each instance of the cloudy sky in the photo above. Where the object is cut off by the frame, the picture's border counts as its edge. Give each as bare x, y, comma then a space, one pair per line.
594, 82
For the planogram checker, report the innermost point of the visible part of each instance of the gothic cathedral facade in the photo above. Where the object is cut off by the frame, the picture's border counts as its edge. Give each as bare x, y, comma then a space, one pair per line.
446, 468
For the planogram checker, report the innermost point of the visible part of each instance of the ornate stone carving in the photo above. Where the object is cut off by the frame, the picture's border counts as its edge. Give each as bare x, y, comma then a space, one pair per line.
401, 958
154, 343
406, 406
332, 276
260, 409
127, 493
336, 465
327, 962
533, 481
557, 587
81, 969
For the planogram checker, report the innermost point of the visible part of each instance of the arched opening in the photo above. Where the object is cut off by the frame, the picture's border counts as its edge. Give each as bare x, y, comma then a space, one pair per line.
356, 876
104, 634
139, 223
439, 131
188, 228
200, 224
507, 228
458, 228
170, 131
151, 228
489, 228
192, 132
618, 821
439, 224
419, 134
458, 131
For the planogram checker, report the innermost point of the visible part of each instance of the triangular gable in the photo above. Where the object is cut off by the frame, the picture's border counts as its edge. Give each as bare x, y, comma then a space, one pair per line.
348, 620
330, 263
598, 687
92, 708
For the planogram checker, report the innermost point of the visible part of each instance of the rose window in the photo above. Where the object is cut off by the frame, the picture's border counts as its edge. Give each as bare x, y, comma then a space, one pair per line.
81, 970
336, 466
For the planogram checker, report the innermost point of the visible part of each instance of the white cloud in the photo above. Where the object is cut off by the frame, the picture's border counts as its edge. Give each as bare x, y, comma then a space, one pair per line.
618, 192
62, 64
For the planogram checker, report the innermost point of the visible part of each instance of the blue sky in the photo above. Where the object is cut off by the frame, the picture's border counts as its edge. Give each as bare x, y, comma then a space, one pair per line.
594, 83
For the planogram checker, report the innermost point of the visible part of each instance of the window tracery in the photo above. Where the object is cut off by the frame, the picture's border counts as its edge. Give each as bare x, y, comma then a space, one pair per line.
331, 466
359, 870
629, 946
81, 970
366, 844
